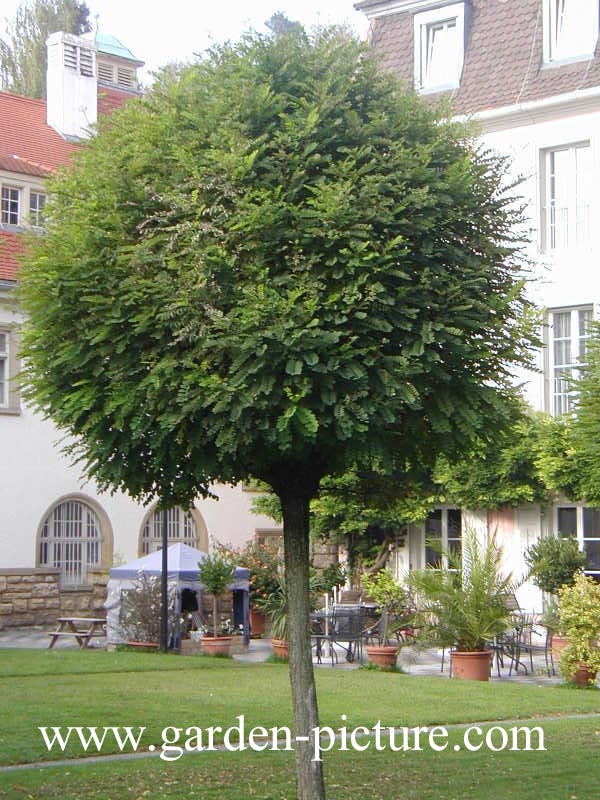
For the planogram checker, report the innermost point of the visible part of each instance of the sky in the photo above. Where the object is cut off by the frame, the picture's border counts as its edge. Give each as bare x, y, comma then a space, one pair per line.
162, 31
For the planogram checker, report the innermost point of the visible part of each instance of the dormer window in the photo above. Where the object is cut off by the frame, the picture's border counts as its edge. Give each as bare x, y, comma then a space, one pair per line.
570, 29
439, 39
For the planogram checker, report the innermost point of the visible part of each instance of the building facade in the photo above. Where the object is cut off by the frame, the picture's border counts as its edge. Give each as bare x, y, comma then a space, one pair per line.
527, 72
58, 535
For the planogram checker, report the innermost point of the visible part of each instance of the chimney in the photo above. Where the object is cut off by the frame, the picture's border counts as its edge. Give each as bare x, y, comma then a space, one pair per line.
71, 88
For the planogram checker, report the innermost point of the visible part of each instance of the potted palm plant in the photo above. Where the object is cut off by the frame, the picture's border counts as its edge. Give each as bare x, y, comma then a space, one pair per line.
395, 614
216, 574
274, 605
580, 618
465, 606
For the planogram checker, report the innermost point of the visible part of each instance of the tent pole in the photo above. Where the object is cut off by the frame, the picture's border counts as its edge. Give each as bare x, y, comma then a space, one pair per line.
164, 611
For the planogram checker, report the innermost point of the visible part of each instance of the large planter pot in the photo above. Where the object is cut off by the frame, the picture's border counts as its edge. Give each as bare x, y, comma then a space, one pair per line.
558, 645
257, 623
473, 666
383, 655
216, 645
584, 676
280, 649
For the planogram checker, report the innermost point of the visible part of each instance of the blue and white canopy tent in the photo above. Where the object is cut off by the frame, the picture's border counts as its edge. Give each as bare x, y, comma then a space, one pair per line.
182, 573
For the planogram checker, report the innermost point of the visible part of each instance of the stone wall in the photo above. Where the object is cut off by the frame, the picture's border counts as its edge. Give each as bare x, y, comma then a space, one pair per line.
324, 554
34, 597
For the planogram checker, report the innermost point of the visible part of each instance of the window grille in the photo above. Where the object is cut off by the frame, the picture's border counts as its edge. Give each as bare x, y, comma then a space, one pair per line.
566, 197
71, 540
180, 526
570, 332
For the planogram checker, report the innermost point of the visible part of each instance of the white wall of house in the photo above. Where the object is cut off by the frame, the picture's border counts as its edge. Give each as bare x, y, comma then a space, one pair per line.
34, 474
564, 277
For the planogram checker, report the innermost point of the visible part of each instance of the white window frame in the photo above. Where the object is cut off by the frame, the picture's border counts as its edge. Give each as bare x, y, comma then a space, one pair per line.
560, 395
10, 366
582, 539
5, 203
446, 540
4, 367
71, 539
36, 213
574, 233
554, 51
423, 25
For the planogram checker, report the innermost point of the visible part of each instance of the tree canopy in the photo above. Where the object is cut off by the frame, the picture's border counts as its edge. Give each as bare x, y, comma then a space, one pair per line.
584, 442
276, 258
274, 264
23, 57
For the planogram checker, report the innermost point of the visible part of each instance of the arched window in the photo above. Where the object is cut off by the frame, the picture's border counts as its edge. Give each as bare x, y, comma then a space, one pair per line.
71, 540
181, 527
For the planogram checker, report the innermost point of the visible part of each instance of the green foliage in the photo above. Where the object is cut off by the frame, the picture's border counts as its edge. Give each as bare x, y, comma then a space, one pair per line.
332, 577
586, 422
140, 613
383, 589
553, 562
216, 573
558, 460
467, 604
393, 602
363, 498
263, 562
580, 620
23, 56
500, 472
274, 262
275, 604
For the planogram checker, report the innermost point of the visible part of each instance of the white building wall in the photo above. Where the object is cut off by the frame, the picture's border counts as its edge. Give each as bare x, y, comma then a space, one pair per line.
563, 279
34, 474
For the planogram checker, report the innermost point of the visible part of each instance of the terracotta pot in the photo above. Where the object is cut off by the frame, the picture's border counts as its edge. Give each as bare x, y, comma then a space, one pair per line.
257, 622
280, 649
584, 676
558, 645
384, 655
216, 645
474, 666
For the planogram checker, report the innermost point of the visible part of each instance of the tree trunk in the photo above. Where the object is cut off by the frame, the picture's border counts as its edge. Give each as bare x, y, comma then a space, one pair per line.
309, 773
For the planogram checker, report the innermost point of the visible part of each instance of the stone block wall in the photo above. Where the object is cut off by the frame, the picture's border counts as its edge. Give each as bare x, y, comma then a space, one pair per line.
324, 554
34, 597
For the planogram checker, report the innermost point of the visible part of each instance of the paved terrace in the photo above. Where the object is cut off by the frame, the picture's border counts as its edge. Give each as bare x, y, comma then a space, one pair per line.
413, 661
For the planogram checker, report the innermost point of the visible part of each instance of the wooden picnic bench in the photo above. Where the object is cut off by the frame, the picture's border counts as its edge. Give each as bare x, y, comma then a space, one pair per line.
82, 629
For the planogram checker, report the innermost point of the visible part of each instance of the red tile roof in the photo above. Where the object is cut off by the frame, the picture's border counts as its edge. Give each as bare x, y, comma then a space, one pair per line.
25, 134
10, 245
503, 56
29, 146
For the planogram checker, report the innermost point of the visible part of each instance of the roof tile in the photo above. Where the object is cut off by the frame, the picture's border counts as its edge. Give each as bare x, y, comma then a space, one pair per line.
10, 245
503, 58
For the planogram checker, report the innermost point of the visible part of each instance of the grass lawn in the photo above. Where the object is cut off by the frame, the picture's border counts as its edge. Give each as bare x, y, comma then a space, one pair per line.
78, 688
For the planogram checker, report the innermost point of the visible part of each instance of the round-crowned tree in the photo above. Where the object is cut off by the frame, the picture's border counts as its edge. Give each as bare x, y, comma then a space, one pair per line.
274, 263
